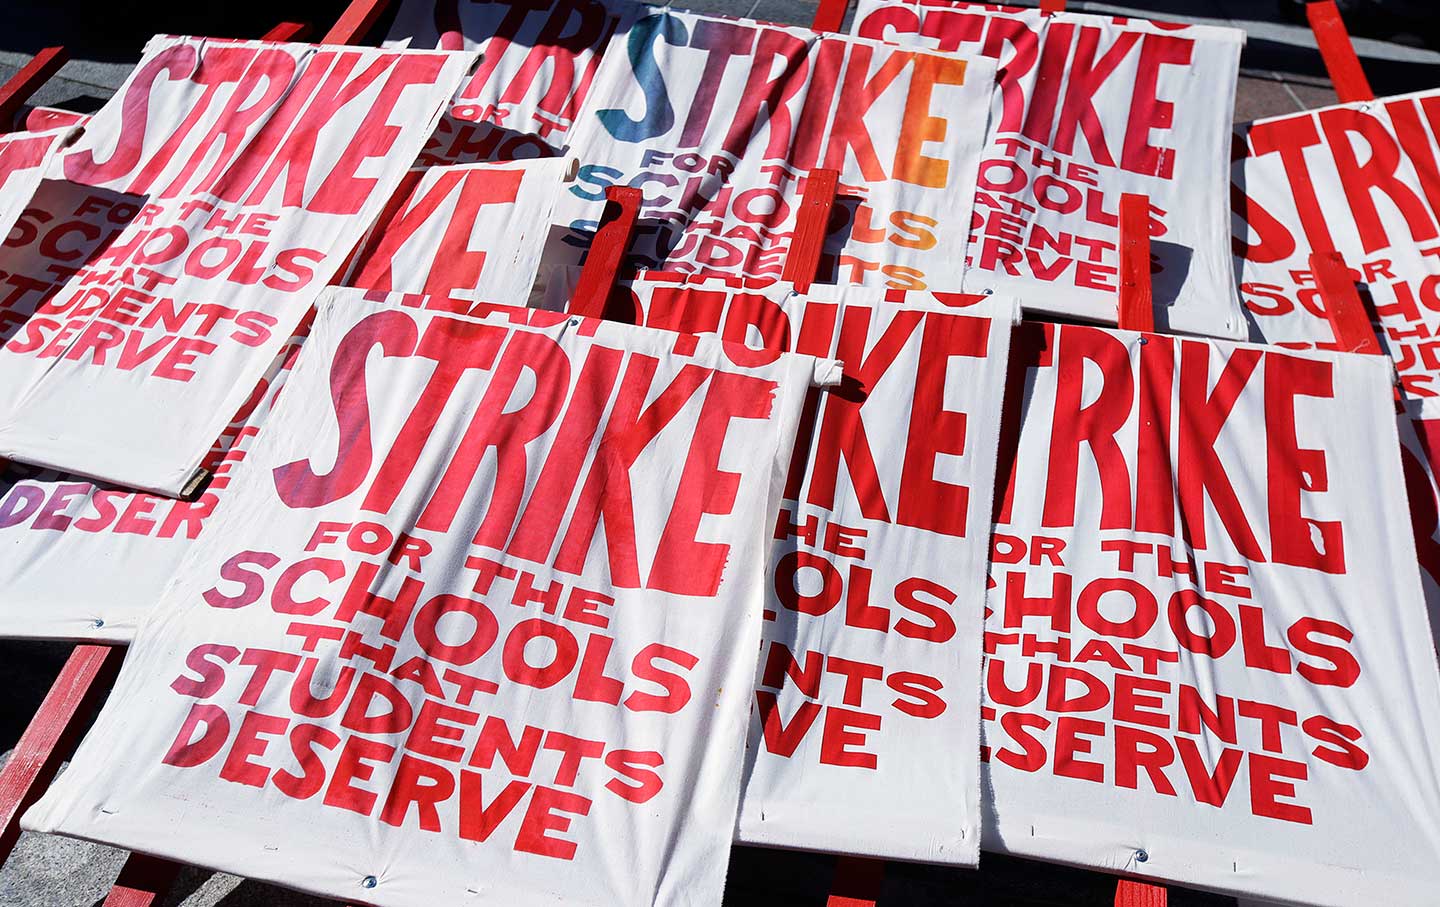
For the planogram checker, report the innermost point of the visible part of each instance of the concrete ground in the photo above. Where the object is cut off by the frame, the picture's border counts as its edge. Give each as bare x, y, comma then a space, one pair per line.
1281, 72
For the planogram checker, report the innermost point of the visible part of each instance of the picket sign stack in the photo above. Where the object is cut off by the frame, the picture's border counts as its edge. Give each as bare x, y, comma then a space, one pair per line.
565, 355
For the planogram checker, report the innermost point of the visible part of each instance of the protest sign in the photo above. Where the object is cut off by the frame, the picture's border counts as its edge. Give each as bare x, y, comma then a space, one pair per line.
719, 121
537, 61
475, 231
477, 622
875, 581
1362, 180
260, 166
1090, 108
1208, 657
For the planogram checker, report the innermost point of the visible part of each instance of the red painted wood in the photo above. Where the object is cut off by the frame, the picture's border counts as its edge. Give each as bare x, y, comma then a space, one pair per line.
1137, 303
52, 734
1349, 317
1137, 313
1051, 7
1132, 893
30, 77
830, 15
288, 31
143, 882
802, 262
607, 252
1338, 53
355, 23
857, 882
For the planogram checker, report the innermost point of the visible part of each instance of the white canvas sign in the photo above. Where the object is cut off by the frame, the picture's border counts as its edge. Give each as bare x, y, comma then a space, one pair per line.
1089, 108
1208, 655
477, 623
869, 670
720, 121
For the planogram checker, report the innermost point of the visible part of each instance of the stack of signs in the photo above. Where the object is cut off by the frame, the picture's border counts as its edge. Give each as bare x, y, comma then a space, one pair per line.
1208, 655
478, 619
537, 61
1090, 108
719, 121
247, 171
868, 674
473, 231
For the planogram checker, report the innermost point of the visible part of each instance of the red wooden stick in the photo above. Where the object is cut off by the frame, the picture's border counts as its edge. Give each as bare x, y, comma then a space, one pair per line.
1349, 317
52, 734
1338, 53
30, 77
607, 252
287, 31
1137, 313
1132, 893
857, 882
802, 262
1137, 303
830, 15
355, 23
143, 881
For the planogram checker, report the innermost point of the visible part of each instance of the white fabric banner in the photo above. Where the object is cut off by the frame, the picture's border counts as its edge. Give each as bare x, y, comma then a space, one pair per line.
719, 121
876, 577
1089, 108
537, 61
1208, 657
261, 165
1362, 180
475, 231
477, 623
